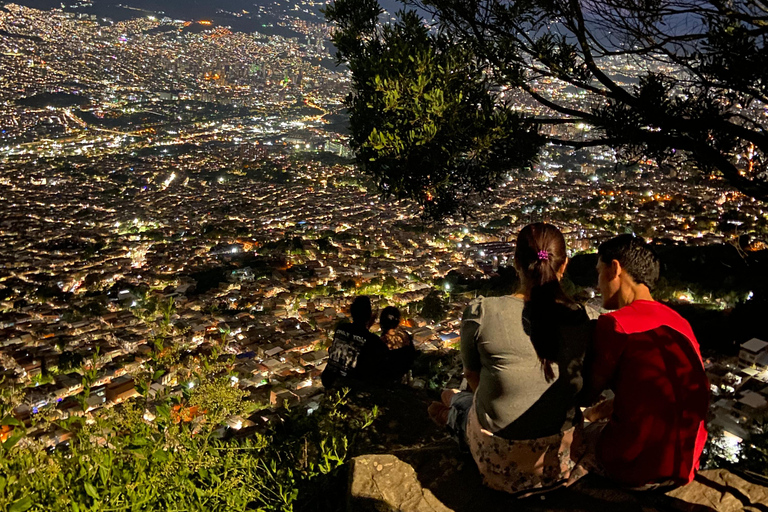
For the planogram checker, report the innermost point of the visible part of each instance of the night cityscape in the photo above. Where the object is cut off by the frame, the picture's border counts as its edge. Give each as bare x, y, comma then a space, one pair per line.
177, 187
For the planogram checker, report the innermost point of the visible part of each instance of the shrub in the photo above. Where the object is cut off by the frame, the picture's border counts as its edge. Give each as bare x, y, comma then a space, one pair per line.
120, 460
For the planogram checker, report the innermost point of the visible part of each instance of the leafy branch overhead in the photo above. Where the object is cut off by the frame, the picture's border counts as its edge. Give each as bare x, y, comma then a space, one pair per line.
423, 124
432, 115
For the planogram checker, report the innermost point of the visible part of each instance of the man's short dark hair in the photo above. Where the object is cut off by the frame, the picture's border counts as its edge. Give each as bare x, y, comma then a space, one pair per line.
635, 257
361, 309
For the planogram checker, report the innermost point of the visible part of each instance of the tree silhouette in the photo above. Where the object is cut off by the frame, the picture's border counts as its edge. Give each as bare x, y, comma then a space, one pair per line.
433, 306
671, 80
422, 122
754, 455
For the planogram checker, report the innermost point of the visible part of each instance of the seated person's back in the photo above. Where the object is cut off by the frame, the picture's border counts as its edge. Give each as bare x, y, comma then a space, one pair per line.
650, 358
356, 353
523, 357
401, 352
515, 399
648, 355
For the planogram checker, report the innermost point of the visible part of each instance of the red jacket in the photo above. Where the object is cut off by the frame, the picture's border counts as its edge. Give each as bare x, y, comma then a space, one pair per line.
647, 354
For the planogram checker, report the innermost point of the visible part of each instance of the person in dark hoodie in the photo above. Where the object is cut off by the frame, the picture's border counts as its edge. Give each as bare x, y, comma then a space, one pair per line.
356, 354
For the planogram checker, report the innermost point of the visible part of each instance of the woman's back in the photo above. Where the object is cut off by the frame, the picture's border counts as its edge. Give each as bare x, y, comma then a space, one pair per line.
494, 343
524, 418
514, 399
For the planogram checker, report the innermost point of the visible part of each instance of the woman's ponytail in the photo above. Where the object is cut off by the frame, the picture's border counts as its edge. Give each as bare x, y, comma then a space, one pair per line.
539, 255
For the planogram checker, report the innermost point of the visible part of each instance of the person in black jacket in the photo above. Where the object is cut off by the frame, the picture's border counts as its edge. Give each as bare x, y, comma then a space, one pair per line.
356, 354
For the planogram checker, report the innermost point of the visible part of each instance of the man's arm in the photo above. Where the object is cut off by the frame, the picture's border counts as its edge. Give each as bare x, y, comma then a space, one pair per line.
603, 410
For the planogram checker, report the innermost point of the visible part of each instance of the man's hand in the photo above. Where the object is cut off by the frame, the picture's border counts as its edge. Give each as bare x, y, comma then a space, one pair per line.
601, 411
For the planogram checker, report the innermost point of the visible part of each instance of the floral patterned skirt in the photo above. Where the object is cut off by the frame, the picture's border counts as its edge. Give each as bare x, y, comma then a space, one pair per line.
525, 467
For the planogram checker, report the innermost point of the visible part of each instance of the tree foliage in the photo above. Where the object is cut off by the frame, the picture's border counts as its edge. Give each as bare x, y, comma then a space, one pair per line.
434, 307
423, 125
671, 80
754, 454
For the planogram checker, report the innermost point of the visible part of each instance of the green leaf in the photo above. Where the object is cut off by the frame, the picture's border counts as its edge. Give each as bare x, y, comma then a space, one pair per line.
103, 474
10, 420
163, 411
160, 455
91, 490
15, 438
139, 441
21, 505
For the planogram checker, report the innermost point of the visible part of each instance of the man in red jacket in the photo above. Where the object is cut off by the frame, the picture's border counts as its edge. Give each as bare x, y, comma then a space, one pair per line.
647, 354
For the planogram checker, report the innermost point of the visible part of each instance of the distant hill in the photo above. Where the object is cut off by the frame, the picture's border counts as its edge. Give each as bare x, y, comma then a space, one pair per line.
198, 9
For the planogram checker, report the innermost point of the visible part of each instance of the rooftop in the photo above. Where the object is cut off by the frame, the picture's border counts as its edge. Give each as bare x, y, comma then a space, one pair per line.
754, 345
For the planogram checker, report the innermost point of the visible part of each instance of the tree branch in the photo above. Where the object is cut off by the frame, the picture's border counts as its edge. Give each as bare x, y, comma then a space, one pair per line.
578, 144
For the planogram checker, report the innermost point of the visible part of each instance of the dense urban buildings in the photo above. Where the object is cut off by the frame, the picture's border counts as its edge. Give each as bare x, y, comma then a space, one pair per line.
172, 188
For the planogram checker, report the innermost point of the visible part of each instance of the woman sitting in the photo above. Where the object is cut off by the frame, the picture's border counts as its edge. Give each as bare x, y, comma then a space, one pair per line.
392, 334
399, 342
523, 355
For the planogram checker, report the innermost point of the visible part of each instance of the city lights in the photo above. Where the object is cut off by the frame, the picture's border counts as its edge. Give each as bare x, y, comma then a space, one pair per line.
176, 193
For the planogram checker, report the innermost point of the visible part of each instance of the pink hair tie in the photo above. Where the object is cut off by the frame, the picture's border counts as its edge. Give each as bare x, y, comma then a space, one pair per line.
543, 255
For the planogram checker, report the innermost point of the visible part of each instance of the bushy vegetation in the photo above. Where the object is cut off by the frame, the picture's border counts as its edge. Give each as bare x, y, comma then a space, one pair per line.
434, 306
125, 459
438, 369
420, 112
750, 456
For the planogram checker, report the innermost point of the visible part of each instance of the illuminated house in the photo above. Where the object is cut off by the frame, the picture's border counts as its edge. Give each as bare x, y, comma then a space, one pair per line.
754, 353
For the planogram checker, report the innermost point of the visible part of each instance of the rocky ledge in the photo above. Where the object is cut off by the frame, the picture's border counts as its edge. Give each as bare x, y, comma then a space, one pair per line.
433, 482
418, 469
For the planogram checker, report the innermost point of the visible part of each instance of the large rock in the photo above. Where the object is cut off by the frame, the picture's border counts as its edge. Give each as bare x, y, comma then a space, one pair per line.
419, 468
384, 483
725, 492
437, 479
